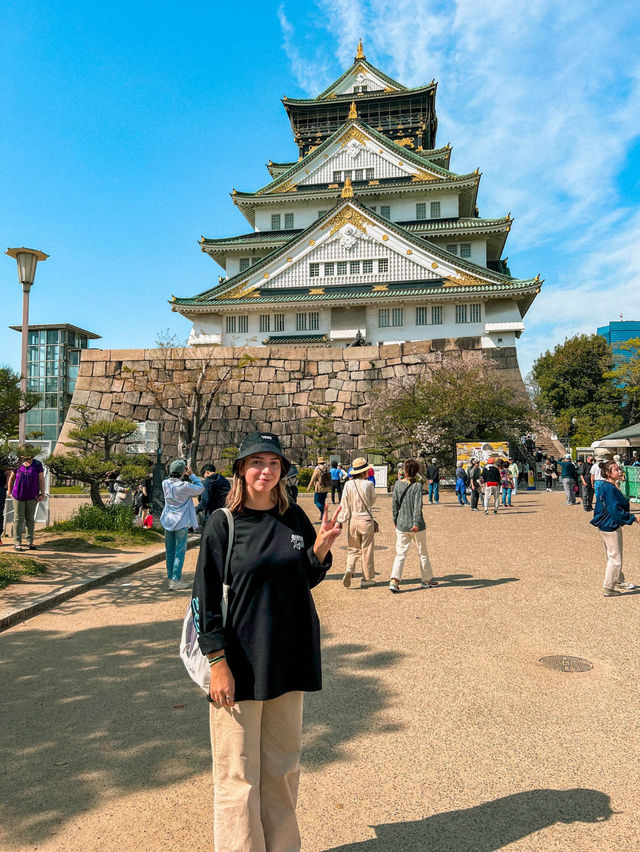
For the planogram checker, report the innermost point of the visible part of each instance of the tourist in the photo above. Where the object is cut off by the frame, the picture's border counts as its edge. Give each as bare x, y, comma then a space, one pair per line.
586, 484
122, 493
491, 480
433, 476
146, 492
336, 482
635, 460
475, 483
612, 511
462, 480
569, 476
292, 484
514, 470
216, 488
549, 470
506, 482
406, 508
371, 476
26, 486
596, 477
321, 483
177, 517
268, 652
3, 497
358, 497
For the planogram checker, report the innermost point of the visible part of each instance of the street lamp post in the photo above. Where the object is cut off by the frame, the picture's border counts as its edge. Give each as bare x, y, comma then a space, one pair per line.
27, 260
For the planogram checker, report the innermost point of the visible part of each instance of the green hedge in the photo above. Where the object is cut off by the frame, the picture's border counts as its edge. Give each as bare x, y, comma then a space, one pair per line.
107, 519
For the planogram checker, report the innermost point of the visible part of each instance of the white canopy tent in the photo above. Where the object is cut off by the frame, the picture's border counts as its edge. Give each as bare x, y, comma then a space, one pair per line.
625, 438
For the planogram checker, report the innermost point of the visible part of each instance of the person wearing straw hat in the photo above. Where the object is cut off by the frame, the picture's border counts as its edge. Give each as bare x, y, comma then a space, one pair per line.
266, 654
358, 497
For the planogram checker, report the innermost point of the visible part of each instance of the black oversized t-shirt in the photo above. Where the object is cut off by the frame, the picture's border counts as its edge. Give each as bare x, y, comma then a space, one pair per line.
272, 635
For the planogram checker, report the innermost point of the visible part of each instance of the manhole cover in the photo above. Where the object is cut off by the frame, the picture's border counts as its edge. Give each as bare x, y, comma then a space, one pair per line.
559, 663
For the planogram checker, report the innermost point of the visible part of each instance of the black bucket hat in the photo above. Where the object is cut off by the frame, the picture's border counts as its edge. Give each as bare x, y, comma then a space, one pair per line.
261, 442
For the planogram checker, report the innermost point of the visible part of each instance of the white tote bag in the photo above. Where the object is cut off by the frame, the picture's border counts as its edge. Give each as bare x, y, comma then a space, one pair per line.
195, 662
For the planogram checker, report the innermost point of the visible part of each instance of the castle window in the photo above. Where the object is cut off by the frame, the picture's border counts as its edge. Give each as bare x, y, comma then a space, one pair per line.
314, 270
243, 324
461, 313
390, 318
383, 264
421, 210
358, 175
275, 221
321, 213
367, 266
265, 322
237, 323
341, 267
278, 322
385, 211
453, 248
383, 318
314, 321
422, 315
255, 260
465, 249
475, 312
354, 267
434, 209
231, 325
301, 322
288, 221
369, 174
397, 317
436, 315
328, 269
244, 263
337, 177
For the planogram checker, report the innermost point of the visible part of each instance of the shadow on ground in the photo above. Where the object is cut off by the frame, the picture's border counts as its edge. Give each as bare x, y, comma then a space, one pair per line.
105, 712
468, 581
349, 703
490, 826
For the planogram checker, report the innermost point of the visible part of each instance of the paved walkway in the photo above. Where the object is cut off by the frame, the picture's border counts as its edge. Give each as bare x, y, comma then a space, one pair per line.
437, 728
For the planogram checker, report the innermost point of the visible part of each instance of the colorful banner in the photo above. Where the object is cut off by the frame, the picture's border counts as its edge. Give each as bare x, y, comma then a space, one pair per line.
481, 450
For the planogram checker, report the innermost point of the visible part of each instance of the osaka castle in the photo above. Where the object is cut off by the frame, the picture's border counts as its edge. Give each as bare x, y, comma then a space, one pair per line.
367, 237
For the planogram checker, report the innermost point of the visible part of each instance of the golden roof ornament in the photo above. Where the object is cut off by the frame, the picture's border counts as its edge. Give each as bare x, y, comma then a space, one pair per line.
360, 51
347, 189
353, 112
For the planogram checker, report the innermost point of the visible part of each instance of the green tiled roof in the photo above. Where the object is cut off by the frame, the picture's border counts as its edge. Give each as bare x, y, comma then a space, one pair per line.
253, 237
454, 225
297, 338
215, 293
316, 154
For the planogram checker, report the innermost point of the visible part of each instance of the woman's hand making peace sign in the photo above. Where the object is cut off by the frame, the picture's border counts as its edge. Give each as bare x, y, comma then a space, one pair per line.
329, 531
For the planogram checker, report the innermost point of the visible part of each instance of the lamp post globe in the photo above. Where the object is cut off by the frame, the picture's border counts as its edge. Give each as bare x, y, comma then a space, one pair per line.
27, 260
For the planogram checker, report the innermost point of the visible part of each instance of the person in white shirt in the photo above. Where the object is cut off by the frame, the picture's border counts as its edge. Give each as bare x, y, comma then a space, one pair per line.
596, 478
514, 470
177, 517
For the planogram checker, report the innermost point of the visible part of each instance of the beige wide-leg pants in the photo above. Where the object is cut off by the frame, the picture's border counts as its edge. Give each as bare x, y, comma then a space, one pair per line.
360, 546
403, 540
256, 769
613, 548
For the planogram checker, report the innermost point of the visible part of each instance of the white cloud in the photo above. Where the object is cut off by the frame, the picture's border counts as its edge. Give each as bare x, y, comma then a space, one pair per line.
544, 97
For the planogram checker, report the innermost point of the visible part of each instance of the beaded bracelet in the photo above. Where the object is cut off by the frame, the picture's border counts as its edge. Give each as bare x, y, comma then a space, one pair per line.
214, 660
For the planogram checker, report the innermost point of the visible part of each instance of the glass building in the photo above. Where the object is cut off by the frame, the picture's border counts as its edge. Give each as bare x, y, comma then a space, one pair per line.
53, 359
617, 333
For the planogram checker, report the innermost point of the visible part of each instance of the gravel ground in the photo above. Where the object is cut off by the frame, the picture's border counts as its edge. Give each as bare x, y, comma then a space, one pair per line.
437, 728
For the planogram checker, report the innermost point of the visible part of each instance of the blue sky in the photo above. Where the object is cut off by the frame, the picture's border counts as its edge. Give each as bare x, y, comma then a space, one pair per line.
126, 125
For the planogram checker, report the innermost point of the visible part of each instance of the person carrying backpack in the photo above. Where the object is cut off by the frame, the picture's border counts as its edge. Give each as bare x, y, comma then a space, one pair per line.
321, 483
216, 488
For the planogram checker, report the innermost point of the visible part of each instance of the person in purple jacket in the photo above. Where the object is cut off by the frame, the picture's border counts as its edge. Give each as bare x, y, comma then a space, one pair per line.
611, 512
26, 486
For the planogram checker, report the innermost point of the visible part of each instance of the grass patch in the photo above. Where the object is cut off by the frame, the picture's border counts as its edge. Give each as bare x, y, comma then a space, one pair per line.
88, 540
13, 567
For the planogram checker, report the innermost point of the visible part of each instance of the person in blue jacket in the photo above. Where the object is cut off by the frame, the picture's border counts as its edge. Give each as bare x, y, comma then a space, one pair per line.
611, 513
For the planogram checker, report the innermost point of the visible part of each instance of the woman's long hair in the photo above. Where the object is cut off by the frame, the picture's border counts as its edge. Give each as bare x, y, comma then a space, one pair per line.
237, 496
411, 468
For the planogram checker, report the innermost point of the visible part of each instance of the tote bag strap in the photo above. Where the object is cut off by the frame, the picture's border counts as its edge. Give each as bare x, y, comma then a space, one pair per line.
227, 560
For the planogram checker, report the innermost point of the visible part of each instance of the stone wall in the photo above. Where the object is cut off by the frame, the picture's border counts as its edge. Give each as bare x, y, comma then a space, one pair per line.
275, 393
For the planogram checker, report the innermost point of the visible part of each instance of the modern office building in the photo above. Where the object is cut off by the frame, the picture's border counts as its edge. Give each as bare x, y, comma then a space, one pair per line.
617, 333
53, 358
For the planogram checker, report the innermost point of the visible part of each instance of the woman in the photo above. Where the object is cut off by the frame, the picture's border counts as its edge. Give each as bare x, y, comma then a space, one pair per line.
612, 511
550, 474
406, 508
178, 515
506, 480
26, 486
268, 652
358, 497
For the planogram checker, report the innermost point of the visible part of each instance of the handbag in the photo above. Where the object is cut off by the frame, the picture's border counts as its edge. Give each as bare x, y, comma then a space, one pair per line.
376, 525
195, 662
